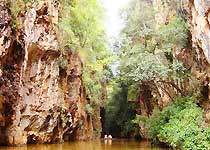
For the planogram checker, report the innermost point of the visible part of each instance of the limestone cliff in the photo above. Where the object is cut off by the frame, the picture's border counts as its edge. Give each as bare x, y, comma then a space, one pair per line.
40, 100
199, 17
195, 57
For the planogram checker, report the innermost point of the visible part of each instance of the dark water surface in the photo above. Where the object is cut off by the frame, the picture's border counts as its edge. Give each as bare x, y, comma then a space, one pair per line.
91, 145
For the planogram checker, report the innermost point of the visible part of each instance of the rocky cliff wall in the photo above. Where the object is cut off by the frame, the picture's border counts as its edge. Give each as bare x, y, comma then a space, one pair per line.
199, 17
195, 56
40, 100
200, 30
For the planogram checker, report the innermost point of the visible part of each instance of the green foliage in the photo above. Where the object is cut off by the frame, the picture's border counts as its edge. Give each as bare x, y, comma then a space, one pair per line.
147, 46
148, 56
119, 112
62, 62
139, 17
84, 16
98, 131
82, 30
148, 49
89, 109
18, 5
178, 125
132, 92
92, 83
175, 33
185, 126
176, 5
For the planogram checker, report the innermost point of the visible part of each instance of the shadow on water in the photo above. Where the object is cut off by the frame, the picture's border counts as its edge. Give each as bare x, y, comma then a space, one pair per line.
115, 144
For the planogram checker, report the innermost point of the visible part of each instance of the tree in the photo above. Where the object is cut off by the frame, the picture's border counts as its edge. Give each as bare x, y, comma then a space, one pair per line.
148, 48
83, 32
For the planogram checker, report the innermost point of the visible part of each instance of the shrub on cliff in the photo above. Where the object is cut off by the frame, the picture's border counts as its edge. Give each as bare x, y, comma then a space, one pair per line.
179, 125
185, 127
81, 29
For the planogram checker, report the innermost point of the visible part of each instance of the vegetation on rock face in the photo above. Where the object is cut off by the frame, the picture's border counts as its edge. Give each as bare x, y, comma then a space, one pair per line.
17, 7
181, 124
147, 53
82, 31
148, 56
81, 34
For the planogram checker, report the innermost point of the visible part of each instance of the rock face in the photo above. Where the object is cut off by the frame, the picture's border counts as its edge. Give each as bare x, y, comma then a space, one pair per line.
195, 57
200, 29
41, 101
199, 11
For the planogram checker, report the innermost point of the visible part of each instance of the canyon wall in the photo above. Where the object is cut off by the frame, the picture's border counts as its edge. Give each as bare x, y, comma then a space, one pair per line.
195, 56
41, 101
199, 17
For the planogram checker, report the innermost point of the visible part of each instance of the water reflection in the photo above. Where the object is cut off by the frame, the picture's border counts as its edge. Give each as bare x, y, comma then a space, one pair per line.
108, 142
92, 145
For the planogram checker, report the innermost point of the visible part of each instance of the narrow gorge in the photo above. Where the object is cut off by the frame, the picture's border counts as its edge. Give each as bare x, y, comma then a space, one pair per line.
62, 80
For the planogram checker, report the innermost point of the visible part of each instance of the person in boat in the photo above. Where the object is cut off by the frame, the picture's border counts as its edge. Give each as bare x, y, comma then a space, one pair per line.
110, 140
110, 137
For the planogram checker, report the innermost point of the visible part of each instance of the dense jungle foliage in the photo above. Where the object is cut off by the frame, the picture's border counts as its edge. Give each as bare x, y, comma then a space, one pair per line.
147, 54
181, 124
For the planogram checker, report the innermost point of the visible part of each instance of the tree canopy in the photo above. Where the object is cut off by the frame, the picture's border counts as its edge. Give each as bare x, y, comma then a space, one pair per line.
81, 24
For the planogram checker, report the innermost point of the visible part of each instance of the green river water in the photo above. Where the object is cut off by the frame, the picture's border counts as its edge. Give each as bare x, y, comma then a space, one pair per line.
91, 145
